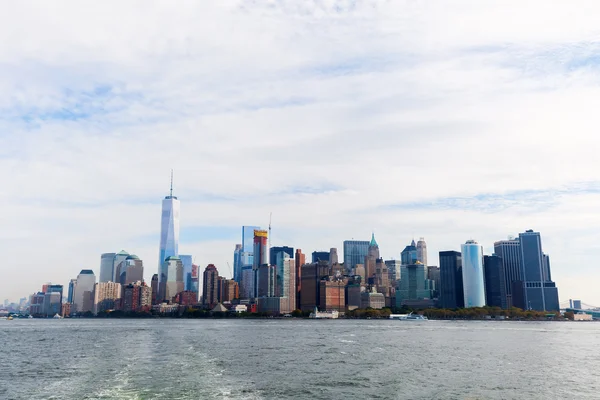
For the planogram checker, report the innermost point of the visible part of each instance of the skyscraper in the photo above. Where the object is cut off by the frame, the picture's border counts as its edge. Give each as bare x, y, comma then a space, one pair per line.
186, 260
409, 255
170, 279
107, 296
472, 272
260, 257
107, 267
83, 295
495, 282
451, 290
509, 252
371, 258
237, 263
72, 285
154, 288
169, 229
130, 270
117, 260
333, 256
320, 256
355, 252
540, 293
422, 251
273, 251
210, 286
300, 260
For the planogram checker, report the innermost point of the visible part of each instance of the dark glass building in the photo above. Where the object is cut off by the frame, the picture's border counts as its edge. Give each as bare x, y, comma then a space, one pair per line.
451, 290
495, 284
279, 249
320, 256
355, 252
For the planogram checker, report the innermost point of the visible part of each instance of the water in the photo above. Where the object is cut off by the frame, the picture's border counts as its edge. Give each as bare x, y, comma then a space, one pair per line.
279, 359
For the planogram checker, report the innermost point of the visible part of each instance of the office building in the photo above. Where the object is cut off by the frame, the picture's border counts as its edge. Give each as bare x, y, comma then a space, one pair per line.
451, 290
495, 282
107, 267
194, 281
169, 233
310, 287
186, 261
50, 288
320, 256
422, 251
107, 296
371, 259
393, 267
333, 256
210, 286
414, 284
83, 300
52, 303
229, 290
265, 282
509, 252
280, 249
300, 260
237, 263
332, 294
248, 245
409, 255
472, 272
170, 280
154, 288
540, 293
72, 285
36, 304
355, 252
433, 274
260, 258
117, 267
129, 270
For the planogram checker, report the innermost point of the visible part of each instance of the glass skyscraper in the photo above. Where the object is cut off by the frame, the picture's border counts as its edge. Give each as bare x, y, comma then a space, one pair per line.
472, 272
107, 271
169, 231
451, 290
540, 293
186, 260
355, 252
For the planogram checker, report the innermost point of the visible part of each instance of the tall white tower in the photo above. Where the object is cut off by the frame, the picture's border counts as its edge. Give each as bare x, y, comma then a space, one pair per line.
169, 229
472, 274
422, 251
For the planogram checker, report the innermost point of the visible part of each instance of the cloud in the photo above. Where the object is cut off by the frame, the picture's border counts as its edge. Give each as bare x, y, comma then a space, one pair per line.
339, 117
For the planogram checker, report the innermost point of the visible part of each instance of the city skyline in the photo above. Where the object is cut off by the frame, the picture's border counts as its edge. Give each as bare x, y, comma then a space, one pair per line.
377, 120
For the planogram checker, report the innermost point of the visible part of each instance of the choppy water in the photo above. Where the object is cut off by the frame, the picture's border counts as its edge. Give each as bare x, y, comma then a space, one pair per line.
279, 359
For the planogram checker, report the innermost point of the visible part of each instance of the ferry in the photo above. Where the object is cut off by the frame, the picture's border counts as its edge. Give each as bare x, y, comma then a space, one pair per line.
409, 317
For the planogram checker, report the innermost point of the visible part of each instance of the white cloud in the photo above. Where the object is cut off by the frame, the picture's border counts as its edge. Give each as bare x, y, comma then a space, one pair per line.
325, 113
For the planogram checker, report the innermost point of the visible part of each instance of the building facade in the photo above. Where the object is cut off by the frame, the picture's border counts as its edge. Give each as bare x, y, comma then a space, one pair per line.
107, 296
414, 284
84, 289
422, 251
355, 252
169, 231
495, 282
107, 267
451, 291
210, 286
472, 272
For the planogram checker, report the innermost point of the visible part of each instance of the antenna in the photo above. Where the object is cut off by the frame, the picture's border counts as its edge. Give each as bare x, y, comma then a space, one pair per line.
171, 192
270, 218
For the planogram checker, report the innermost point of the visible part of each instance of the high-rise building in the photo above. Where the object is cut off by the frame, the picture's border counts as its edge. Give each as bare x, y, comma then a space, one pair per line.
414, 284
170, 279
237, 263
472, 272
265, 283
393, 267
248, 245
52, 303
495, 282
195, 284
107, 267
186, 261
50, 288
371, 259
332, 294
154, 288
169, 230
276, 250
320, 256
229, 290
540, 293
355, 252
451, 290
260, 258
409, 255
433, 273
210, 286
72, 285
333, 256
107, 296
130, 270
310, 287
36, 304
509, 252
84, 289
422, 251
300, 259
117, 260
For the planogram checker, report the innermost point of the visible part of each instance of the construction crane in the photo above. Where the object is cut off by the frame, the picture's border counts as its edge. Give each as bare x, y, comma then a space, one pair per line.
270, 218
230, 272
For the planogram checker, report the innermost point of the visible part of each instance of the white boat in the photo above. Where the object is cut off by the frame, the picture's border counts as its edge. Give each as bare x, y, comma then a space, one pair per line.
56, 316
409, 317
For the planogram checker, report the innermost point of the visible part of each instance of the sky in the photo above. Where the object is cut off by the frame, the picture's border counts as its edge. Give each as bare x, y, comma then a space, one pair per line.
444, 120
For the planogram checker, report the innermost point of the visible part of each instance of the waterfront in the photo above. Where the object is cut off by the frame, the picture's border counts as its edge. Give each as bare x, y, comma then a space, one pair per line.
276, 359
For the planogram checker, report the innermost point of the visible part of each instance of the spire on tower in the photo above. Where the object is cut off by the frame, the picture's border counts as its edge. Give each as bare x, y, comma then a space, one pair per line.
171, 191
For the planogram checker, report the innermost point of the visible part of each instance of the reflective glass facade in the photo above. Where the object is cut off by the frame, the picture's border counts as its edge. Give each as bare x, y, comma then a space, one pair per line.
355, 252
107, 267
472, 272
169, 230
